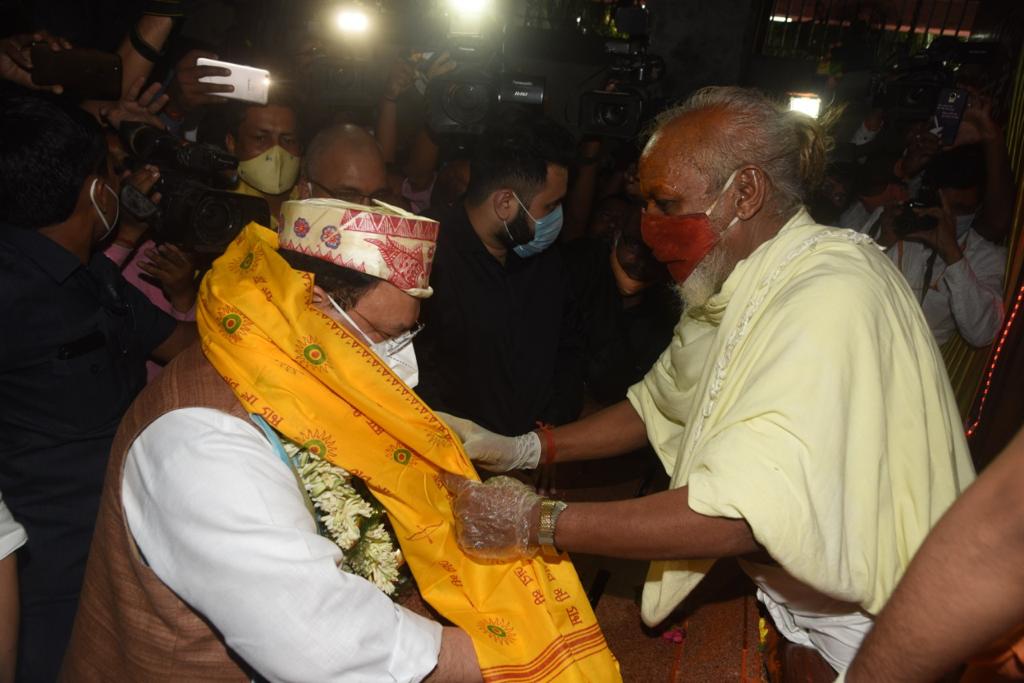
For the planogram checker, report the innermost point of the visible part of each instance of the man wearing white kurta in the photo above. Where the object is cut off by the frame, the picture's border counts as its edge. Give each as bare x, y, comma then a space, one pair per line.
802, 409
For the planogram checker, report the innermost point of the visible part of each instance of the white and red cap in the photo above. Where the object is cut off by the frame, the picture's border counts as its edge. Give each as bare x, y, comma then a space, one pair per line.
382, 240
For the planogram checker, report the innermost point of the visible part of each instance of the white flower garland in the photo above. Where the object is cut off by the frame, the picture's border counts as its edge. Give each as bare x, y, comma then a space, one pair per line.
354, 523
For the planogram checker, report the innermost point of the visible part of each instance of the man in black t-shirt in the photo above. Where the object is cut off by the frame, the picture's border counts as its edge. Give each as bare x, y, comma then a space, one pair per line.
72, 356
502, 344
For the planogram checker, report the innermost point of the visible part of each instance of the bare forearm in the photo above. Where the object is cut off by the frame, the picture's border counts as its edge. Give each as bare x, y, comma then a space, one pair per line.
387, 124
657, 527
964, 588
154, 31
457, 661
615, 430
581, 197
9, 611
423, 159
184, 335
997, 208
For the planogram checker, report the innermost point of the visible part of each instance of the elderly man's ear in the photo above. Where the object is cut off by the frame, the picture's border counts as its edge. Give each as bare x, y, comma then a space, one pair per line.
751, 189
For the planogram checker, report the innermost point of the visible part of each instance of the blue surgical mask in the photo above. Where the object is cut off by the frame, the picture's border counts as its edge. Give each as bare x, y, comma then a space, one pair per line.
545, 232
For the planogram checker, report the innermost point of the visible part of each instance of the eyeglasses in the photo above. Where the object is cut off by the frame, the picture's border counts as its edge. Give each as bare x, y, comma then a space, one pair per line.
353, 196
396, 344
391, 343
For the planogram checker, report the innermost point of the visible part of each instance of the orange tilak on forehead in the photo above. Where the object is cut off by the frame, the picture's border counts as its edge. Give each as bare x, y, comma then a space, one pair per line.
669, 163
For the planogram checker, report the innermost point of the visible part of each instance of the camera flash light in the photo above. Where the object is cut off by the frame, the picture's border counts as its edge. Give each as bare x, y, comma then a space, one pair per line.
805, 104
352, 20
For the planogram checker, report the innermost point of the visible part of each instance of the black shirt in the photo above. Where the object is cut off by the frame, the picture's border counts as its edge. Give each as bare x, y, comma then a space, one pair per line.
502, 343
72, 358
620, 343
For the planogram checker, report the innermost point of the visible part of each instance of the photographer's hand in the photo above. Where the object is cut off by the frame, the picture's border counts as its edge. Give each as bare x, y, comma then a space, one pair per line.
16, 58
135, 105
187, 92
400, 79
130, 229
887, 235
941, 238
922, 145
176, 273
442, 65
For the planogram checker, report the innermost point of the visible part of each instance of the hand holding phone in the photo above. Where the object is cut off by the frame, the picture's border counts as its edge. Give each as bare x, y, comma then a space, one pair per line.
188, 91
16, 58
89, 74
249, 84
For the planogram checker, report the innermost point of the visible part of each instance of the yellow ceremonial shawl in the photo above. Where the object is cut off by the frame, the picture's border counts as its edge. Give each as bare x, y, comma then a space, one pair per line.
320, 386
808, 398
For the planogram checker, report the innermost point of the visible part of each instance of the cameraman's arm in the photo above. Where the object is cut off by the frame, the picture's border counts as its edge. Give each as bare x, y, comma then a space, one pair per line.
184, 335
399, 79
580, 200
152, 30
975, 295
996, 211
975, 284
421, 169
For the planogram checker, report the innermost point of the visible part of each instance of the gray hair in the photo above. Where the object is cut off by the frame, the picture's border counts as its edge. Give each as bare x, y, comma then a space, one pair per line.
790, 147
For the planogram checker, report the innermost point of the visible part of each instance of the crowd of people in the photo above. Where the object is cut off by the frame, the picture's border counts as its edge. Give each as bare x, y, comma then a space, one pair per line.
253, 464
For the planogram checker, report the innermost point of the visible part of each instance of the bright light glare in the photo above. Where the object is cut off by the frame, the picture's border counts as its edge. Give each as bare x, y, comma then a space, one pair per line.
805, 104
779, 19
352, 20
468, 6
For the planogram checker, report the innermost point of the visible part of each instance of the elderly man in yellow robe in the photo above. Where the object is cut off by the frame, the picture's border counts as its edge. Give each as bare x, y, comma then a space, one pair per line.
801, 409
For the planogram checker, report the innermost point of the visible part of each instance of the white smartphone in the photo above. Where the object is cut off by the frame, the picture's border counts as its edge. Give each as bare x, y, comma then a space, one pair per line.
251, 84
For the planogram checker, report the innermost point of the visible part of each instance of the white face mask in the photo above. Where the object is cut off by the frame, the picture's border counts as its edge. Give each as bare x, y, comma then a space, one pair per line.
964, 223
109, 225
397, 352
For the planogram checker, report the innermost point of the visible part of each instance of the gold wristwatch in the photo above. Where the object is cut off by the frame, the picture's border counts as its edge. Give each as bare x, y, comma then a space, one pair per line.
549, 512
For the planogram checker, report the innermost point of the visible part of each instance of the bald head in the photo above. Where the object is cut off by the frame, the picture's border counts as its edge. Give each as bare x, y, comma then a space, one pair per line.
344, 162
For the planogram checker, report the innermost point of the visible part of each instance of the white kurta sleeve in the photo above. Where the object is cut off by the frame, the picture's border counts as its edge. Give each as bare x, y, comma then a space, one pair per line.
220, 520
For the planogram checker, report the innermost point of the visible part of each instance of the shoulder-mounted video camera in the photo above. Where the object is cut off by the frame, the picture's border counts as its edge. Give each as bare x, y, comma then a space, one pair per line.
191, 212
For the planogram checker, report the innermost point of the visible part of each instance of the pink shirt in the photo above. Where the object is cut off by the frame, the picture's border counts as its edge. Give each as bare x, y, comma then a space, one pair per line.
128, 259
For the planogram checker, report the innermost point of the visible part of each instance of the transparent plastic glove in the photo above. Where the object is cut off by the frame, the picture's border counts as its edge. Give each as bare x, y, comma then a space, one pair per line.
494, 452
492, 520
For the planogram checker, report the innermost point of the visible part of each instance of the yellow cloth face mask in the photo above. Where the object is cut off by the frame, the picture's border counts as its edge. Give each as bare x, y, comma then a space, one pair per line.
321, 386
272, 172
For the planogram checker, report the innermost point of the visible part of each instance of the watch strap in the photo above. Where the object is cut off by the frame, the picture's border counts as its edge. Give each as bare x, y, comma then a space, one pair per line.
550, 510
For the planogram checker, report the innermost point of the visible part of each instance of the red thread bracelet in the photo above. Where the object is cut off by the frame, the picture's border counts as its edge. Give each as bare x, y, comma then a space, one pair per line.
550, 451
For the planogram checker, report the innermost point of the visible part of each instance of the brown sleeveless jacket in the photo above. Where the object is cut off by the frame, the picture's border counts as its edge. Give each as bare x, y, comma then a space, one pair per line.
130, 626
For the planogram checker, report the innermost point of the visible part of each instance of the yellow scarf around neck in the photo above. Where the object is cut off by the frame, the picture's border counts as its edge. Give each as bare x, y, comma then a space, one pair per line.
322, 387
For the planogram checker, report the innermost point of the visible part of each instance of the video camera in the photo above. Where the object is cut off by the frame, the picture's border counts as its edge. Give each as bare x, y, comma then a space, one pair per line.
463, 101
619, 112
191, 212
910, 88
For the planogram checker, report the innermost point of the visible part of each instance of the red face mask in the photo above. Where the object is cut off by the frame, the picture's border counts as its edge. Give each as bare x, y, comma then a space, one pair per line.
682, 242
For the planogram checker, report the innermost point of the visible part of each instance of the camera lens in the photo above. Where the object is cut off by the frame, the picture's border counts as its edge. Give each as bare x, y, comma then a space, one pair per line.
611, 115
214, 221
342, 79
467, 102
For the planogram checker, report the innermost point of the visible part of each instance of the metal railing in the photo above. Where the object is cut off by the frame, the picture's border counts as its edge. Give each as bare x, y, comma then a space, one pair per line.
811, 28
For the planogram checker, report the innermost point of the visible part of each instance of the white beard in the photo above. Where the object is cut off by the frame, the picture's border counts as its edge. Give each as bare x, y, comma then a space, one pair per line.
705, 280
